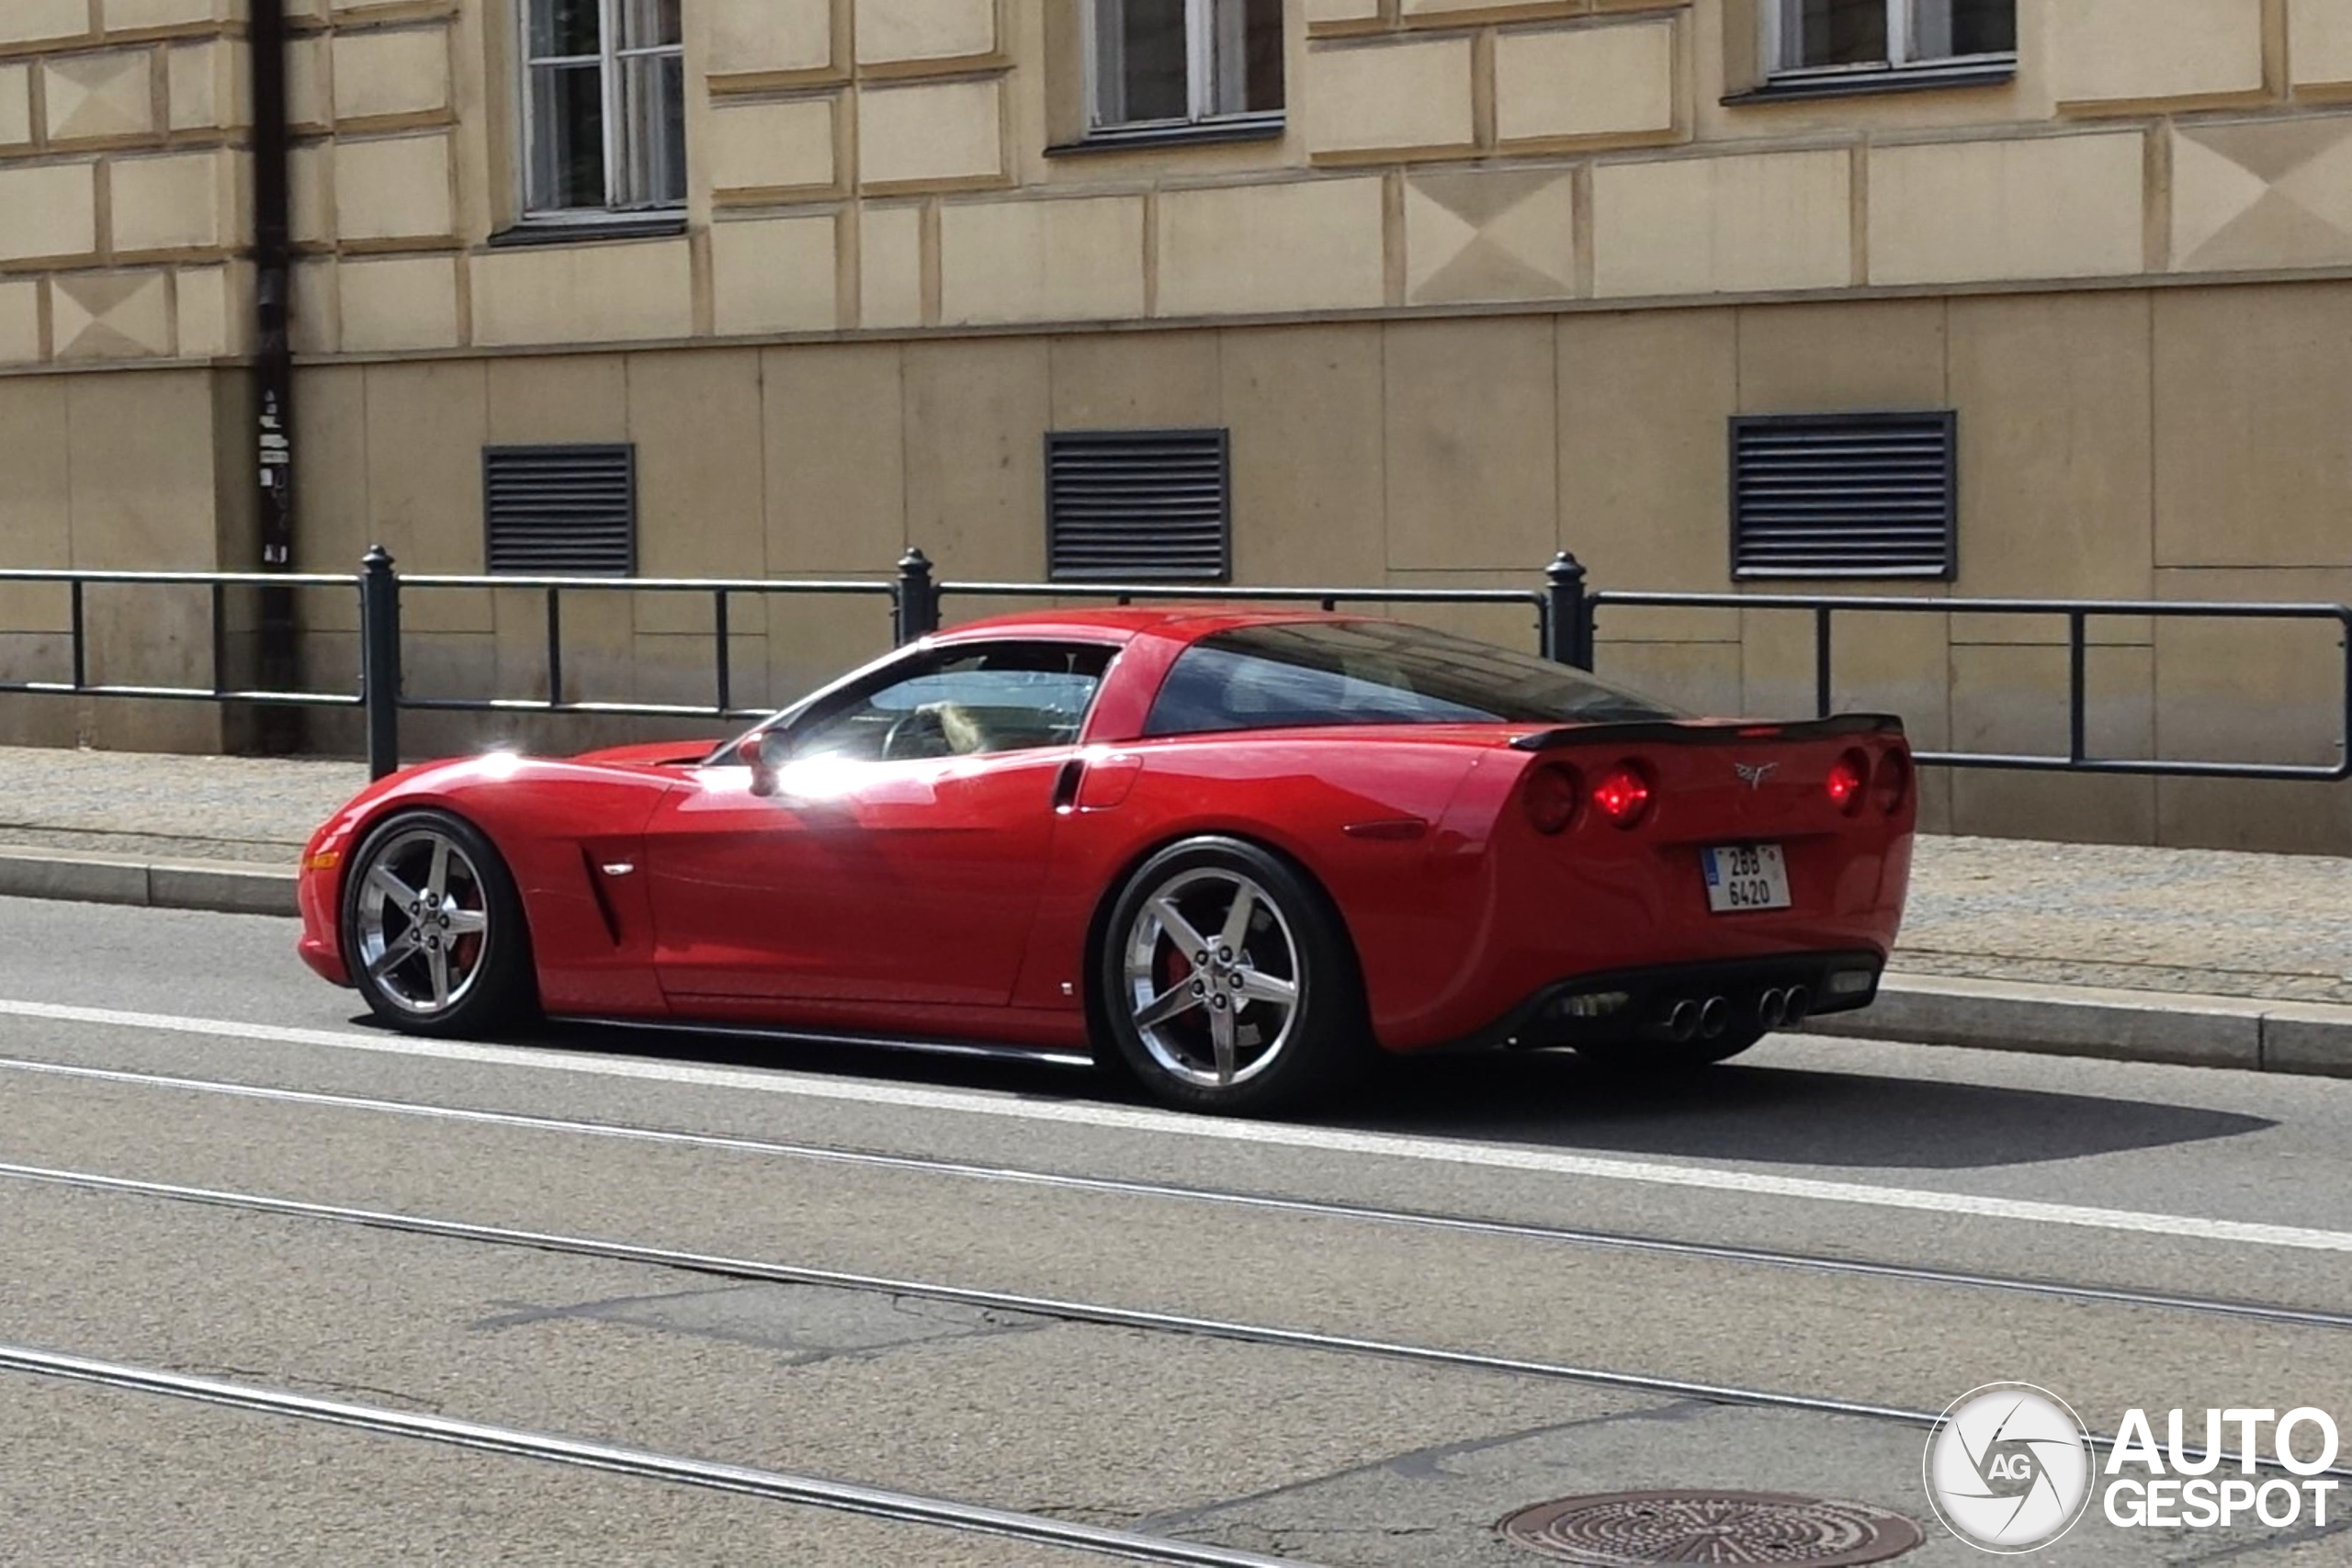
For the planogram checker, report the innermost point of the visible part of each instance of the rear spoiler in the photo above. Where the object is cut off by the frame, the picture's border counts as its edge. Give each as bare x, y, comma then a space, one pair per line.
1690, 732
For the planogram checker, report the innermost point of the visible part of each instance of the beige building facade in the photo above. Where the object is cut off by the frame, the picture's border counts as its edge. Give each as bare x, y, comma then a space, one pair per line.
1462, 284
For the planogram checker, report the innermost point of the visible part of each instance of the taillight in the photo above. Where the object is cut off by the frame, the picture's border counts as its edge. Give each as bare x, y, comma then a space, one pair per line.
1891, 783
1551, 797
1849, 776
1624, 793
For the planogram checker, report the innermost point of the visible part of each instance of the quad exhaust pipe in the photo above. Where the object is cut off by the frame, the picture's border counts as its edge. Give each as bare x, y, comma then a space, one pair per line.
1691, 1019
1777, 1009
1695, 1018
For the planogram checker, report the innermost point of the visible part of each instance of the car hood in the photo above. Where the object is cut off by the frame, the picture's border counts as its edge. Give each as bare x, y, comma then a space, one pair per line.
652, 754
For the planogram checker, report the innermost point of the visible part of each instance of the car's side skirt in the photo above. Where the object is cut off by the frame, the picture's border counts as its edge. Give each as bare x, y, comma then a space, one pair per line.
785, 1035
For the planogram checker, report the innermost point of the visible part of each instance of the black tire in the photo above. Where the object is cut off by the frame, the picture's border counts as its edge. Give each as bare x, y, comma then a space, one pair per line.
485, 969
1292, 936
1659, 1058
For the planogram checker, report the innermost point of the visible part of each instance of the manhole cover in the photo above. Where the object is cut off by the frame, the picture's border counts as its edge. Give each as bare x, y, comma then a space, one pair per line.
1634, 1529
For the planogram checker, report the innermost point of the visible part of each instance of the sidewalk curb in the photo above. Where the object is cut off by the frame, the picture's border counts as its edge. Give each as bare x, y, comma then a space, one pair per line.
218, 887
2250, 1034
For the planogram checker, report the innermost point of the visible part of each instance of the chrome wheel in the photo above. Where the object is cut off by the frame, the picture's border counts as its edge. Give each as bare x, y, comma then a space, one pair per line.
423, 921
1213, 977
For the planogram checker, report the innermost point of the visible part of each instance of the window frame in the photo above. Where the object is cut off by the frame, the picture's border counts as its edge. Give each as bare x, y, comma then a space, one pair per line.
1901, 65
1201, 120
611, 62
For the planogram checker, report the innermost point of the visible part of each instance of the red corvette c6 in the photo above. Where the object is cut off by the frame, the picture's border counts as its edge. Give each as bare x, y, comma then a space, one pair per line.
1225, 849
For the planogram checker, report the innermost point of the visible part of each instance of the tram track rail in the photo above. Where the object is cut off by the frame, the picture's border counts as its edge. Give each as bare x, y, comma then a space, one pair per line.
1802, 1262
1054, 1308
779, 1486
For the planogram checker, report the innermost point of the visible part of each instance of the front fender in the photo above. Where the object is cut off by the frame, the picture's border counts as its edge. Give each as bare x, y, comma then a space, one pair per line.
556, 823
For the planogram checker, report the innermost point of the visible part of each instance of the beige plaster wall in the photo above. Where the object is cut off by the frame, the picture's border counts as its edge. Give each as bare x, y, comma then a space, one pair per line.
1492, 290
2102, 437
119, 472
911, 165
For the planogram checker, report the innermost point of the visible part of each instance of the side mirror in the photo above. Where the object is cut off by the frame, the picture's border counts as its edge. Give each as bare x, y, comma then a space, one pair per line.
763, 752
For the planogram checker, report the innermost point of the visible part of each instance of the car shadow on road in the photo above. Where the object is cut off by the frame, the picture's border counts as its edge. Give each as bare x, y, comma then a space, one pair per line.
1765, 1114
1776, 1115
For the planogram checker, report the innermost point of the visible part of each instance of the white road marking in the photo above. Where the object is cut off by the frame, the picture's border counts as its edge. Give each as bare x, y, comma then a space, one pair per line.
1328, 1140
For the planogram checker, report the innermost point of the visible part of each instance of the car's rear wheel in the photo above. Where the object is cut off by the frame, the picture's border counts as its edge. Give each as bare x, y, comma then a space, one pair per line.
1226, 982
1662, 1057
432, 929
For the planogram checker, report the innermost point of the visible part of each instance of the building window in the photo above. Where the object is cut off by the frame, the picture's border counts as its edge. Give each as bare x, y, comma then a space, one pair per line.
603, 100
1821, 37
1180, 66
1138, 506
560, 511
1845, 495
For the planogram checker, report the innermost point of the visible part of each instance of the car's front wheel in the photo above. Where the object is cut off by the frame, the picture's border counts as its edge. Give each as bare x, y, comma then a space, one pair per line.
1228, 984
433, 928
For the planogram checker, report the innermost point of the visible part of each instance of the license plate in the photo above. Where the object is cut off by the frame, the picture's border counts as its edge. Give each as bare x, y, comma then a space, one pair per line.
1745, 876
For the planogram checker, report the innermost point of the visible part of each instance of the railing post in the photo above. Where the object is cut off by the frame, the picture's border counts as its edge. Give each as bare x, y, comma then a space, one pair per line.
555, 649
1566, 616
81, 651
719, 635
1823, 694
2077, 723
380, 659
917, 599
220, 638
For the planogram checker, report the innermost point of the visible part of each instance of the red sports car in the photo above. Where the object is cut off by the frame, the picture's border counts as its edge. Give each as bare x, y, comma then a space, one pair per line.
1226, 850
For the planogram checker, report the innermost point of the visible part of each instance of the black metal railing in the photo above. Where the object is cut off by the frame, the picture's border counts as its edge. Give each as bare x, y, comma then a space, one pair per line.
217, 586
2077, 613
1564, 612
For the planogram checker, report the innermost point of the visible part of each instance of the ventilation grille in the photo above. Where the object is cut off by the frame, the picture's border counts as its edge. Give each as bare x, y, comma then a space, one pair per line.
1137, 506
561, 511
1845, 495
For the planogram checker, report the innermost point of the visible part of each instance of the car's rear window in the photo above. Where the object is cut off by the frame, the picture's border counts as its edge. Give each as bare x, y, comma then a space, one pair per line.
1351, 673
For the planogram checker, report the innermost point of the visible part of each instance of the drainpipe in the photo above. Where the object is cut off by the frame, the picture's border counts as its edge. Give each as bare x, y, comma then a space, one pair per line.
273, 364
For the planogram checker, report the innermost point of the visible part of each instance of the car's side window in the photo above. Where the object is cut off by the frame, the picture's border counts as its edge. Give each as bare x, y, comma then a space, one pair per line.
965, 702
1314, 673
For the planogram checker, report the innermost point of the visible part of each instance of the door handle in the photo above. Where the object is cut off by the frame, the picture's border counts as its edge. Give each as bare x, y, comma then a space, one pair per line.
1066, 782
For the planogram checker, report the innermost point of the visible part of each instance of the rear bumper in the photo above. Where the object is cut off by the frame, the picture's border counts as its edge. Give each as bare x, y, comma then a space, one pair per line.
1637, 1004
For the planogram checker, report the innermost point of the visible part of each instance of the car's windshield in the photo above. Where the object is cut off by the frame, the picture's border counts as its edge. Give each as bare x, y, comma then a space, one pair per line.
1351, 673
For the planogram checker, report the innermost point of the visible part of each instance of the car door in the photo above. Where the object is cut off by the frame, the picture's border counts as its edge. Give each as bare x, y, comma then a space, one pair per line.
900, 854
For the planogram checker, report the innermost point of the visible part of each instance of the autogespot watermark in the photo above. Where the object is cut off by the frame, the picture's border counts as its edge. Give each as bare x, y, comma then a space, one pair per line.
2010, 1468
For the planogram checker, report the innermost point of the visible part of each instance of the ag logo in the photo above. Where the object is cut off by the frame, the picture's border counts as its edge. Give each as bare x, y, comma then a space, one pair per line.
2008, 1468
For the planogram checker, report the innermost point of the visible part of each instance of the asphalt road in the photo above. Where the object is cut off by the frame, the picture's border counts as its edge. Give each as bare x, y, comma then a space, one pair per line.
1359, 1341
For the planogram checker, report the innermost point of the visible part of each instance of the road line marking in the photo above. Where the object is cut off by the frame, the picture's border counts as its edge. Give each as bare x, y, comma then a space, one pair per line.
1272, 1135
809, 1490
924, 1165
